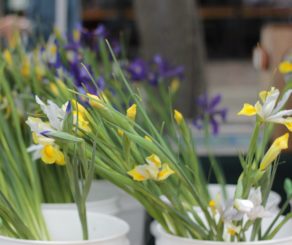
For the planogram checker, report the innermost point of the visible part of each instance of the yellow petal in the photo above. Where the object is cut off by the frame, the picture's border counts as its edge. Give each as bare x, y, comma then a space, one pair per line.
82, 122
60, 159
132, 111
247, 110
48, 154
35, 138
76, 35
25, 68
147, 138
80, 108
285, 67
174, 86
154, 160
54, 89
178, 117
95, 101
288, 123
136, 175
120, 132
263, 95
231, 231
7, 57
281, 143
165, 172
212, 204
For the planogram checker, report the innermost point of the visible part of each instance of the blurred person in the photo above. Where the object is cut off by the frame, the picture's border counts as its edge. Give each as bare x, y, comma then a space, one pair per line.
39, 17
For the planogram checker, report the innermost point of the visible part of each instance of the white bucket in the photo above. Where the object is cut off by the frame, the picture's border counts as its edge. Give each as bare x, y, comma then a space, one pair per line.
102, 198
65, 229
284, 237
130, 211
105, 197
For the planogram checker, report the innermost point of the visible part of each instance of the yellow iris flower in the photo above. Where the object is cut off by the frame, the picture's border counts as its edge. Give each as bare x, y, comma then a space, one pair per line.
51, 154
95, 101
281, 143
270, 108
178, 117
83, 124
132, 112
285, 67
148, 138
8, 57
174, 85
154, 170
25, 68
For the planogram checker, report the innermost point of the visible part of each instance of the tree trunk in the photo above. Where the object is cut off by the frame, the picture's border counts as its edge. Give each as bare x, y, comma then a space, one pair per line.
172, 28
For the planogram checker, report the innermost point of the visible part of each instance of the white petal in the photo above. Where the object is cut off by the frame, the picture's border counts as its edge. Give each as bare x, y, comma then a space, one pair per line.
270, 102
54, 113
255, 196
258, 212
280, 114
243, 205
283, 101
37, 125
34, 148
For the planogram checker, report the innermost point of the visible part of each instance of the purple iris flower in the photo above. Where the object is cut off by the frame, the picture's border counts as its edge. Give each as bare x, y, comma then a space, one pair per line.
209, 108
100, 32
165, 70
138, 70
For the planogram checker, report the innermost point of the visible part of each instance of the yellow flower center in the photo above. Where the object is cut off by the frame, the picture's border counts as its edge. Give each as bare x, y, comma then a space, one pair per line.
231, 231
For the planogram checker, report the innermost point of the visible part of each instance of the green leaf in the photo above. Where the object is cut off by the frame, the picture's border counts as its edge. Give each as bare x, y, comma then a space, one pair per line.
64, 136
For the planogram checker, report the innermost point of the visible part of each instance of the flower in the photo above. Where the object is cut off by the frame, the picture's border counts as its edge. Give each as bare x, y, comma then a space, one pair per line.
25, 67
209, 108
270, 110
138, 70
232, 230
132, 111
165, 70
281, 143
178, 117
148, 138
51, 154
45, 147
174, 85
252, 206
54, 113
120, 132
154, 170
285, 67
95, 101
7, 57
80, 121
243, 205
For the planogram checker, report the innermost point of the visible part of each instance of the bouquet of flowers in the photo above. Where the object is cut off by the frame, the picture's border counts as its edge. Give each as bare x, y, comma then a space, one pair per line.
132, 153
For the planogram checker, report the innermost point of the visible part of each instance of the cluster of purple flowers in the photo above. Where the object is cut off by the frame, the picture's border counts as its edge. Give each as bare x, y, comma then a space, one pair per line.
68, 58
153, 72
209, 110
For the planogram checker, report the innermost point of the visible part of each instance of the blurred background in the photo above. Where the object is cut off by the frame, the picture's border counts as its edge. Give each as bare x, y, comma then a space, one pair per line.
213, 39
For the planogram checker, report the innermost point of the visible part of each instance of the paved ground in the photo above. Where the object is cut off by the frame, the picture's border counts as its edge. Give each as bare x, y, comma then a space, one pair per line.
237, 81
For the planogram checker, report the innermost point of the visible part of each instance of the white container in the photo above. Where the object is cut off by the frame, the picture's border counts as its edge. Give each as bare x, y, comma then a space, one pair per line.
130, 211
102, 198
284, 237
65, 229
105, 197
